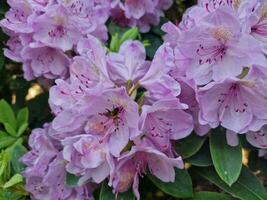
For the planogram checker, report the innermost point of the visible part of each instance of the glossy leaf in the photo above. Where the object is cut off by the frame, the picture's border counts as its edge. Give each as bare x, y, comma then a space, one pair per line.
227, 160
247, 187
211, 196
71, 180
189, 146
202, 158
180, 188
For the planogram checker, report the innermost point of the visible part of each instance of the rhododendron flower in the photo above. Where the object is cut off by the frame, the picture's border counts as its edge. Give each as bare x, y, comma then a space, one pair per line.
139, 13
217, 49
258, 138
87, 158
164, 121
45, 173
44, 61
253, 14
129, 64
16, 19
55, 29
142, 157
157, 81
110, 115
236, 104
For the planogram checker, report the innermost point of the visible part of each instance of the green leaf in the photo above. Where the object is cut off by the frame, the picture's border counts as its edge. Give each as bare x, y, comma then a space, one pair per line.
114, 44
247, 187
16, 153
180, 188
71, 180
6, 140
113, 29
6, 114
202, 158
106, 194
5, 195
131, 34
189, 146
17, 178
211, 196
227, 160
157, 29
10, 129
22, 117
154, 42
22, 129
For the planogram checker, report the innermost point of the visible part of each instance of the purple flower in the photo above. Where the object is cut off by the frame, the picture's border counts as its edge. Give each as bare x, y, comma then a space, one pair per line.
89, 16
129, 64
142, 157
236, 104
157, 81
258, 138
45, 61
16, 19
139, 13
88, 158
111, 115
217, 49
45, 173
54, 29
164, 121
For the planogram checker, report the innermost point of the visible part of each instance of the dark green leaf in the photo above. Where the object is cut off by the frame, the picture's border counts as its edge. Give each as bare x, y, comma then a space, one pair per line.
157, 29
115, 43
180, 188
4, 195
154, 42
189, 146
113, 29
106, 194
6, 114
227, 160
71, 180
247, 187
202, 158
211, 196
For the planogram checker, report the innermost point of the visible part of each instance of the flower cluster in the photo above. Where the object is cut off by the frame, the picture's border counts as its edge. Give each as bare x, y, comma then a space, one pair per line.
139, 13
221, 47
117, 116
44, 33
